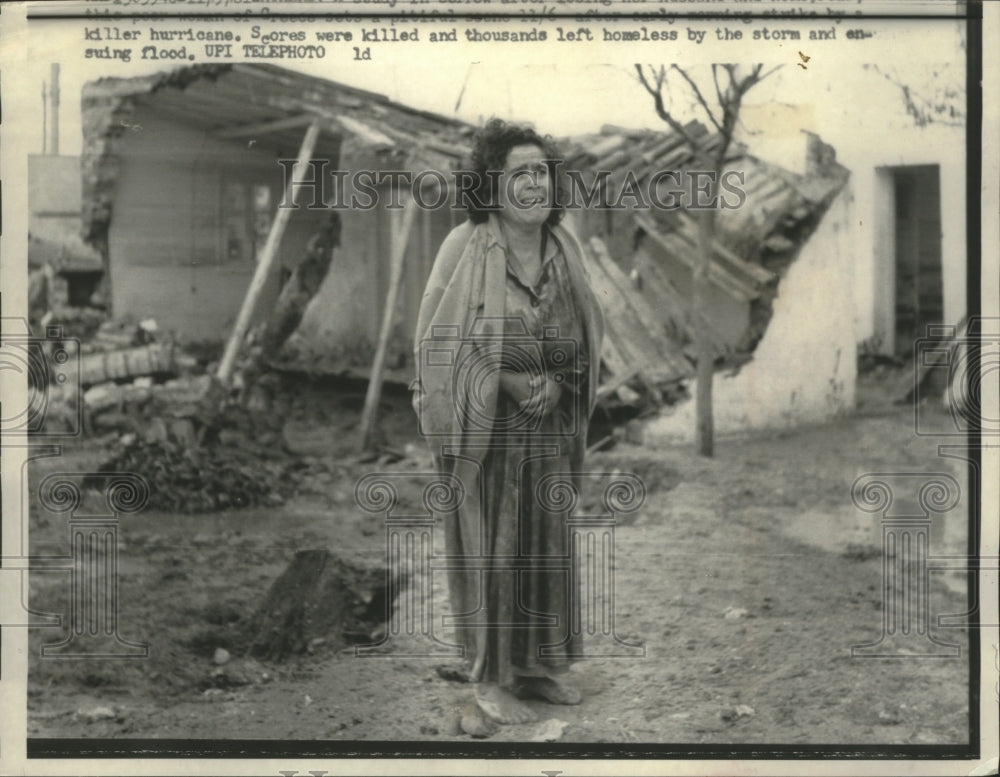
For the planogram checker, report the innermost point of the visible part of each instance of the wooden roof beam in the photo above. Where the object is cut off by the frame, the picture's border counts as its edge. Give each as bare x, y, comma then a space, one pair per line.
753, 271
265, 127
716, 273
367, 133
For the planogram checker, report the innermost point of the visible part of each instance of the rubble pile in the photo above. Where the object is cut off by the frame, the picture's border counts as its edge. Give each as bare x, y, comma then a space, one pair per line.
165, 419
108, 379
206, 459
113, 334
205, 479
82, 323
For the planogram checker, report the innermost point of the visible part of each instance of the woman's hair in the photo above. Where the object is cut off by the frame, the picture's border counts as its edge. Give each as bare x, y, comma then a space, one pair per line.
489, 152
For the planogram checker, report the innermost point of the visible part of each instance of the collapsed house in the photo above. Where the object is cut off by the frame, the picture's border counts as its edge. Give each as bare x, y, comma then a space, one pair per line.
181, 182
780, 306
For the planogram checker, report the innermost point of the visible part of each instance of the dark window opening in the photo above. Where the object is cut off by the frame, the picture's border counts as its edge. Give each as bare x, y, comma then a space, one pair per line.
80, 287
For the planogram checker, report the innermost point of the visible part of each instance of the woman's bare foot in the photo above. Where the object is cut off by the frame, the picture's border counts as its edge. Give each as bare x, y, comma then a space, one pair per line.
501, 705
548, 688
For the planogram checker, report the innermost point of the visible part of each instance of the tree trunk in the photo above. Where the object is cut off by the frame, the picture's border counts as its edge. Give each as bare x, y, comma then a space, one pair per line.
704, 424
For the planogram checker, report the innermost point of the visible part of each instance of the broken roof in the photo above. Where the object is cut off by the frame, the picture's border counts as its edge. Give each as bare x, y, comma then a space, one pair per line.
259, 102
773, 195
754, 243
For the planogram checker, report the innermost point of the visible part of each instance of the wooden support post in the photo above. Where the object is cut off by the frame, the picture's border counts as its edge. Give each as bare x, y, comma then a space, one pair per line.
401, 223
268, 256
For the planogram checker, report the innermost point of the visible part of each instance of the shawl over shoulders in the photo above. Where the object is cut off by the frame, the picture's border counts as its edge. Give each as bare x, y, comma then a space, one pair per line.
459, 335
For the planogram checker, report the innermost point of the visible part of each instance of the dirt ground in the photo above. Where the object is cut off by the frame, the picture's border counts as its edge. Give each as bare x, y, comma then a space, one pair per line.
746, 579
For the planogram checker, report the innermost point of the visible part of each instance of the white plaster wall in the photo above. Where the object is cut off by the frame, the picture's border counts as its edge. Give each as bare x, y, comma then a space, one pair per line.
862, 115
805, 366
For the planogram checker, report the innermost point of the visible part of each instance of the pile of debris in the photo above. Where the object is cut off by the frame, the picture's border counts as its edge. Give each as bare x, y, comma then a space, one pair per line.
205, 432
203, 451
122, 369
203, 479
81, 323
104, 381
170, 423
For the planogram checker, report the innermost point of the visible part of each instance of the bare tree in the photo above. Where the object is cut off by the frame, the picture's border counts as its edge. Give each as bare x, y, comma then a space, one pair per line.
730, 83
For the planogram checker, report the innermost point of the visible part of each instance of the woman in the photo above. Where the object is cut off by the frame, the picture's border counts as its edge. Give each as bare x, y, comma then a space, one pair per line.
505, 401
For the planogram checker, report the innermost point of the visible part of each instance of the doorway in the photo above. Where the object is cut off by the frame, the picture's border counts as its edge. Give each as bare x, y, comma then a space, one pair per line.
917, 226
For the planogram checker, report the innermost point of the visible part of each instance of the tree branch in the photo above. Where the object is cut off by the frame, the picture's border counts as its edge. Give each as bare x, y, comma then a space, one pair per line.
715, 79
730, 99
661, 110
770, 72
699, 95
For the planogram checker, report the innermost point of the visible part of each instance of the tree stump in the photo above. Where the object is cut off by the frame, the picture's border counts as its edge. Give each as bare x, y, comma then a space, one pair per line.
321, 597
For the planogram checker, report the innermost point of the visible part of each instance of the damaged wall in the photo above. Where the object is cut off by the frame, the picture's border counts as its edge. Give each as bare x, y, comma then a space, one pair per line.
166, 156
341, 323
182, 237
811, 333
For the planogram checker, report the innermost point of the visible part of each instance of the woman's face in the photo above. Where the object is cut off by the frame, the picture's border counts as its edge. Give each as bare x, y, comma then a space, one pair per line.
524, 187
